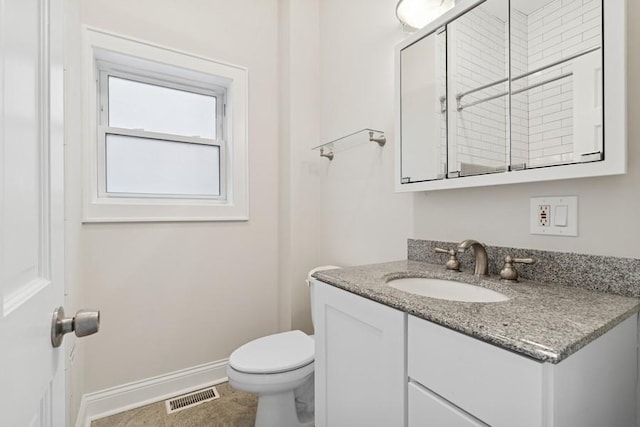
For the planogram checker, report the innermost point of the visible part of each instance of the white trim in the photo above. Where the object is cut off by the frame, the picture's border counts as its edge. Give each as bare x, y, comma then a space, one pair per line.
638, 375
151, 390
101, 45
81, 419
14, 300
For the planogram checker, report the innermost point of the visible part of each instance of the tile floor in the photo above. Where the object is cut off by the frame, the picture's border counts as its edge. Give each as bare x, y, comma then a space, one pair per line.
233, 409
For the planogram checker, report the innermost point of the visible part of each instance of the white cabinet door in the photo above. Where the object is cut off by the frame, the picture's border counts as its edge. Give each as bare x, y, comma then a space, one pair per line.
31, 212
360, 361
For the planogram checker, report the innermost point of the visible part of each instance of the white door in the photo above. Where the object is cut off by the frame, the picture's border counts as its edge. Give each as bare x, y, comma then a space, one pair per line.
32, 389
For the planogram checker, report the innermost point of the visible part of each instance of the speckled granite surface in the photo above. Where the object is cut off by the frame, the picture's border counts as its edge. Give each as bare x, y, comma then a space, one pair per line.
620, 276
544, 321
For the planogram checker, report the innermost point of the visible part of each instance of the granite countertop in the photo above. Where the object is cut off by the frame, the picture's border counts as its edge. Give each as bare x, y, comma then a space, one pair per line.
547, 322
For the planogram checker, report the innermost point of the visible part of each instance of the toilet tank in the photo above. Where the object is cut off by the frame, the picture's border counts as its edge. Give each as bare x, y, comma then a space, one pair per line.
311, 285
313, 317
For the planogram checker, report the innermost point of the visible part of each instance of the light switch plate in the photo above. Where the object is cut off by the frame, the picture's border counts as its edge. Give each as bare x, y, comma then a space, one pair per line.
558, 225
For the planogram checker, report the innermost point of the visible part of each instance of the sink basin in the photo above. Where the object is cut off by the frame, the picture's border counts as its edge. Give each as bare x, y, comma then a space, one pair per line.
446, 289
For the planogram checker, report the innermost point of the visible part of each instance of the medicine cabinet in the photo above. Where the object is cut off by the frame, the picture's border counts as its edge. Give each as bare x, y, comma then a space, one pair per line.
507, 91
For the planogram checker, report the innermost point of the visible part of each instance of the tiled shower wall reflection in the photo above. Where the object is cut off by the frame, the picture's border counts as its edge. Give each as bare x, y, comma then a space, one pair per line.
542, 125
520, 103
480, 56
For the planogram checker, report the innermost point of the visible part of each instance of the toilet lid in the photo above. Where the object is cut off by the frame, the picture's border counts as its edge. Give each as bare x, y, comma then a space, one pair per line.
274, 353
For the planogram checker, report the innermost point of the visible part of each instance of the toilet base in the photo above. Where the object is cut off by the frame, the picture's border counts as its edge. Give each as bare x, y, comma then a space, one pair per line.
284, 399
279, 410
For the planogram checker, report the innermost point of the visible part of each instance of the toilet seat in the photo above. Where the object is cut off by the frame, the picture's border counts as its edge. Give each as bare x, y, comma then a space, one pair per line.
276, 353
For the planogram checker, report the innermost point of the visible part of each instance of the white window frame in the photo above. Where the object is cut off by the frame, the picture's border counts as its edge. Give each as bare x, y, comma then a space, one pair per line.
219, 92
107, 54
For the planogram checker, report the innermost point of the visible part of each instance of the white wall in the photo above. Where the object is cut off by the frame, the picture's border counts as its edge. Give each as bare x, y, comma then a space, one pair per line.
299, 216
176, 295
363, 220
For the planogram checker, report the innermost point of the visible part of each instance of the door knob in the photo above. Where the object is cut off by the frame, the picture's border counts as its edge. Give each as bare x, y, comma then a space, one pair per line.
86, 322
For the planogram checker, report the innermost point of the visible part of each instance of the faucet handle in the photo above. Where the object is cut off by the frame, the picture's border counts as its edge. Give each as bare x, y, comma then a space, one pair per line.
509, 272
444, 251
452, 263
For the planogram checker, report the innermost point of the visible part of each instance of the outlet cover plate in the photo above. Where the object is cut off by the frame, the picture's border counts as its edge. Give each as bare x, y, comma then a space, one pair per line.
571, 227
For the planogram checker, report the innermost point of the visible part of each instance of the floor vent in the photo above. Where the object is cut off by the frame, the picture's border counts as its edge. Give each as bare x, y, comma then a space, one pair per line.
192, 399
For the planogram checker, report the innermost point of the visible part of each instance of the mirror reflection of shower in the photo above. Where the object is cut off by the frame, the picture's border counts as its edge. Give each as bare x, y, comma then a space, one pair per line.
507, 85
555, 114
478, 74
557, 81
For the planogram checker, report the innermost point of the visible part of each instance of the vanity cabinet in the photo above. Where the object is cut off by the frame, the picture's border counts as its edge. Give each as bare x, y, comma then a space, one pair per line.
360, 373
449, 379
486, 385
507, 91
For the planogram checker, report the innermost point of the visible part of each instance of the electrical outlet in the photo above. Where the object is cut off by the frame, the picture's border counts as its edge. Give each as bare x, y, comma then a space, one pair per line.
554, 216
543, 215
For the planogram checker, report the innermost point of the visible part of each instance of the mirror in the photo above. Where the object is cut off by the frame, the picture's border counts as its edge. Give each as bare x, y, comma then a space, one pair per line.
557, 81
478, 57
423, 79
500, 90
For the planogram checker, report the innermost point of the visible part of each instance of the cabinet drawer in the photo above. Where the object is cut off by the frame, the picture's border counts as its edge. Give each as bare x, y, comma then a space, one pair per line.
426, 409
496, 386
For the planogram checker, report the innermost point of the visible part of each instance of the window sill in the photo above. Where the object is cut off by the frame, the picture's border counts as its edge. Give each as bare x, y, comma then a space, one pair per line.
162, 210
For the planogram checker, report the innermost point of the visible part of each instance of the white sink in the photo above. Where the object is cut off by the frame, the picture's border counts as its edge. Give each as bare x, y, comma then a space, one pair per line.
446, 289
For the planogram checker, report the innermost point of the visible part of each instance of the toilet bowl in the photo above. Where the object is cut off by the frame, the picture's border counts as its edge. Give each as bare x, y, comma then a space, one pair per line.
279, 369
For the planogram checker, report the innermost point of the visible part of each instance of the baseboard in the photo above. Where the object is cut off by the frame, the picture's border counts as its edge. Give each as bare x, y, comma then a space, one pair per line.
140, 393
81, 418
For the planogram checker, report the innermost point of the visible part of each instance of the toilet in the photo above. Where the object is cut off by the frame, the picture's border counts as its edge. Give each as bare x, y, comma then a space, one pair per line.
279, 370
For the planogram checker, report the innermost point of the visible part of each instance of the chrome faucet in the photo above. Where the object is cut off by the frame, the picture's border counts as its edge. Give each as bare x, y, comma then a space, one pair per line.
480, 255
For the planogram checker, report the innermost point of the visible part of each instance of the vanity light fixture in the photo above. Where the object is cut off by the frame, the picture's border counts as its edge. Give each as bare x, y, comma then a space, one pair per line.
415, 14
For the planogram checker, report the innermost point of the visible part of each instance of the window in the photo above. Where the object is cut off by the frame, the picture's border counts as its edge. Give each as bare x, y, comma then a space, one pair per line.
159, 138
167, 141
